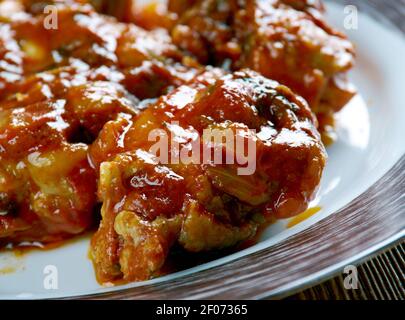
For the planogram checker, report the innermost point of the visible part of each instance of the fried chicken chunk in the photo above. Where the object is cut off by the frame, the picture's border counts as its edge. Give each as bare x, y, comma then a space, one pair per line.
97, 69
47, 186
150, 203
80, 36
284, 40
99, 111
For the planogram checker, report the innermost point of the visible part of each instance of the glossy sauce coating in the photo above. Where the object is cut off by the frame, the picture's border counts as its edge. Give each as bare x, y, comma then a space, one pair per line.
149, 206
285, 40
77, 105
57, 90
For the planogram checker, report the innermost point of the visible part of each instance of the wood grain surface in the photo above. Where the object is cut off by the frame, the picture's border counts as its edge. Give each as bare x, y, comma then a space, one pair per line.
370, 223
380, 278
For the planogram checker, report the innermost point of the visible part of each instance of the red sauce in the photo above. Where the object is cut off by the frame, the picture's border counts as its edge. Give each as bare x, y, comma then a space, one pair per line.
77, 105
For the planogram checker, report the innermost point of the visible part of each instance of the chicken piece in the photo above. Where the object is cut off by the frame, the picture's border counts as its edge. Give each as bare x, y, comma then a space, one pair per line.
148, 15
287, 41
181, 6
97, 68
56, 115
88, 91
81, 36
43, 196
151, 202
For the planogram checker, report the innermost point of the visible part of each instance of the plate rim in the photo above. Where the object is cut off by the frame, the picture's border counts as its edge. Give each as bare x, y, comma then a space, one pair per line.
386, 197
383, 195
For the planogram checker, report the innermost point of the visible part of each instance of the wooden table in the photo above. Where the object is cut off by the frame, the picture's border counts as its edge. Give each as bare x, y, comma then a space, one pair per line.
380, 278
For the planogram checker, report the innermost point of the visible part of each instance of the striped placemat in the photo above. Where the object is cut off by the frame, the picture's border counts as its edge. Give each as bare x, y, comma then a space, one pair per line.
380, 278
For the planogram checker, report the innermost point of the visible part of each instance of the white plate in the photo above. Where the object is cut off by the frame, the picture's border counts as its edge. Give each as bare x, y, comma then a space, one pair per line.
371, 140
